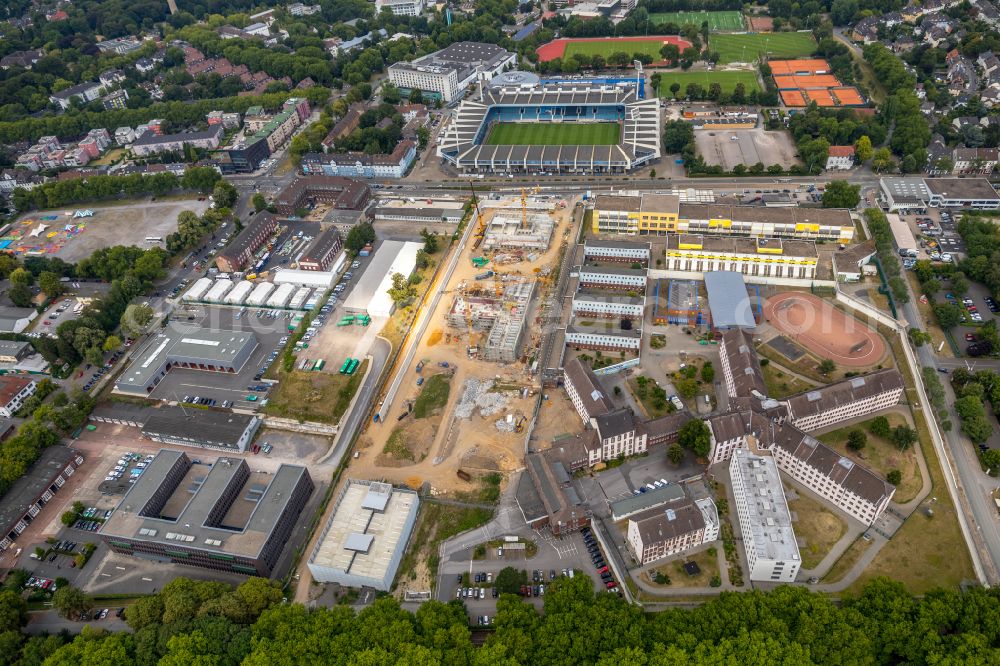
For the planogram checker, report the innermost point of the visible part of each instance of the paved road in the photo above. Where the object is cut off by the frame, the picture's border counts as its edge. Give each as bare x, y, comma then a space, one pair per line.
353, 419
40, 622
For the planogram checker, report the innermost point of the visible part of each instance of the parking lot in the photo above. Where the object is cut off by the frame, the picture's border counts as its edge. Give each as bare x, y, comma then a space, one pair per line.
745, 146
935, 230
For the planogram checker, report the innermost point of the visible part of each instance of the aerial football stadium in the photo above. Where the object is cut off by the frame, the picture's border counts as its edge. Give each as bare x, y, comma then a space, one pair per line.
577, 128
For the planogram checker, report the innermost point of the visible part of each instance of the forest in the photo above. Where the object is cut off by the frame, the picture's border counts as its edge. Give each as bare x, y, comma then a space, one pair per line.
195, 623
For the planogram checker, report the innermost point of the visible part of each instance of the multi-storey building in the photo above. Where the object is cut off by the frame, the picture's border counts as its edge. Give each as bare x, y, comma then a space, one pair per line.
225, 517
320, 255
341, 193
585, 392
446, 74
14, 390
619, 251
151, 143
86, 92
607, 306
604, 339
840, 158
625, 279
361, 165
847, 399
753, 257
666, 530
740, 366
975, 161
401, 7
26, 497
765, 522
237, 255
663, 214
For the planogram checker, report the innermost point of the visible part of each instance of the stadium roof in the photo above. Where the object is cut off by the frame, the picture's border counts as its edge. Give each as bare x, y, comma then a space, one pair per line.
728, 300
640, 138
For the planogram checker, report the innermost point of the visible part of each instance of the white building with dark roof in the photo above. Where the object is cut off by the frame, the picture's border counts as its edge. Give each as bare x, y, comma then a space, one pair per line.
447, 73
851, 398
665, 530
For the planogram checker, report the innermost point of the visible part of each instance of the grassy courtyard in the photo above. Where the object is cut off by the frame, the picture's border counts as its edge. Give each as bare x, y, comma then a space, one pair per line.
727, 80
819, 527
554, 134
750, 47
717, 21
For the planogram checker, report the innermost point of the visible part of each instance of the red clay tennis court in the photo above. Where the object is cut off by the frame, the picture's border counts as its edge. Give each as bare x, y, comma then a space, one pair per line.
557, 47
823, 329
802, 66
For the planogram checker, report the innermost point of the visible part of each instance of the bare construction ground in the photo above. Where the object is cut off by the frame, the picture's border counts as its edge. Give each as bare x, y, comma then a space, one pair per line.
126, 223
750, 146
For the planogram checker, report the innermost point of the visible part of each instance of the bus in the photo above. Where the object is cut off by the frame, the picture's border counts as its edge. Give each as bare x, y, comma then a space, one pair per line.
154, 239
319, 365
354, 366
345, 366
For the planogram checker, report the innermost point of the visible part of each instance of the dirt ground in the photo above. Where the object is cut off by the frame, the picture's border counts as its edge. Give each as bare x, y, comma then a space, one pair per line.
470, 444
127, 223
750, 147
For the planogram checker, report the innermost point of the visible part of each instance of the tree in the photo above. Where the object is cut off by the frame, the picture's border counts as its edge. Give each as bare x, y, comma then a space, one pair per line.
948, 315
259, 202
69, 517
841, 194
708, 372
881, 159
904, 437
675, 87
21, 276
880, 427
959, 284
224, 194
359, 236
675, 454
695, 436
19, 295
856, 440
111, 343
863, 149
416, 96
990, 459
401, 291
50, 284
826, 366
70, 602
390, 93
677, 134
202, 179
135, 319
510, 580
430, 241
895, 477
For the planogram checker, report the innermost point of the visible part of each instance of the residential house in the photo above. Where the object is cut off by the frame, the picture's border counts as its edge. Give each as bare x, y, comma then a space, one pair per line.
14, 390
145, 65
840, 158
111, 77
980, 161
115, 100
23, 59
87, 92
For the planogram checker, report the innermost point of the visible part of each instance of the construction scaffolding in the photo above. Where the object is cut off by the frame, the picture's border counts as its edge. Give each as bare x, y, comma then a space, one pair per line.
528, 232
503, 345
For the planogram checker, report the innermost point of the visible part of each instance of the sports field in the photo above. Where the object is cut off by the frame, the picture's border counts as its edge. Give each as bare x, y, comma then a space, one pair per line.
554, 134
727, 80
717, 21
750, 47
605, 46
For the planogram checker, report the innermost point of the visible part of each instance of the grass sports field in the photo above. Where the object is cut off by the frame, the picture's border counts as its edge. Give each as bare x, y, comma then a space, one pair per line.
554, 134
727, 80
748, 47
606, 47
717, 21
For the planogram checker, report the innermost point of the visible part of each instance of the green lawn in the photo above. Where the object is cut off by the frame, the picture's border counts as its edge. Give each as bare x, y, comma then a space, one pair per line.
606, 47
554, 134
717, 21
727, 80
750, 47
433, 395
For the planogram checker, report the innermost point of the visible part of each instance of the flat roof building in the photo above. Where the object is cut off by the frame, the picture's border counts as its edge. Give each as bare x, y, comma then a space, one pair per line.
225, 431
765, 522
364, 540
198, 349
903, 193
222, 516
445, 74
728, 301
755, 258
973, 193
12, 351
25, 499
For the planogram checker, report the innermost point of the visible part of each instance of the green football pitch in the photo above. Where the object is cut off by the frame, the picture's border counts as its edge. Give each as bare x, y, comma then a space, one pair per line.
554, 134
727, 80
751, 47
606, 47
717, 21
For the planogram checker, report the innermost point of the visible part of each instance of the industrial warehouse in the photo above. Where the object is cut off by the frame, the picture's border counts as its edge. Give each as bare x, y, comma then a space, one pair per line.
465, 143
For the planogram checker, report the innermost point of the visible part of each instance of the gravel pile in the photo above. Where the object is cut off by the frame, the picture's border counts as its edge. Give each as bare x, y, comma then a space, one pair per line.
476, 394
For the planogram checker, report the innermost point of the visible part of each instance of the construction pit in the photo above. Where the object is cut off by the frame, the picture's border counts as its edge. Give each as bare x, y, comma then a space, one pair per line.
480, 427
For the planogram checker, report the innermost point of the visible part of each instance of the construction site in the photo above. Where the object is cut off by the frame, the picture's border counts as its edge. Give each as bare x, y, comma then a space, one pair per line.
464, 412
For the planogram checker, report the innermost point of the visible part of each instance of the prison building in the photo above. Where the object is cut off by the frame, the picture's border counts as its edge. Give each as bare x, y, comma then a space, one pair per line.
740, 365
753, 257
625, 279
608, 306
765, 522
625, 252
852, 488
847, 399
224, 516
666, 530
585, 391
546, 497
603, 339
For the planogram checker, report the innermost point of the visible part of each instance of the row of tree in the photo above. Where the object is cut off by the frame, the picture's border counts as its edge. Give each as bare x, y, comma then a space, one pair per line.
972, 391
882, 234
192, 622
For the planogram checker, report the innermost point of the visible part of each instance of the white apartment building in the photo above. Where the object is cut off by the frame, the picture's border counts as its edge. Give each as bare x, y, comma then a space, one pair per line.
124, 135
629, 279
765, 522
709, 514
852, 488
447, 73
584, 391
740, 366
847, 399
753, 257
14, 391
401, 7
608, 306
623, 251
618, 436
607, 339
664, 531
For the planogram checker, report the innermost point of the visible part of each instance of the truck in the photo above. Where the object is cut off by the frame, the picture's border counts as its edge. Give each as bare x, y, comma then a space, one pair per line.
479, 262
485, 276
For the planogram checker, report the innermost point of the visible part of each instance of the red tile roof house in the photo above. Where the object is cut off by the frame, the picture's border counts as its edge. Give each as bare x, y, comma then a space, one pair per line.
840, 157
